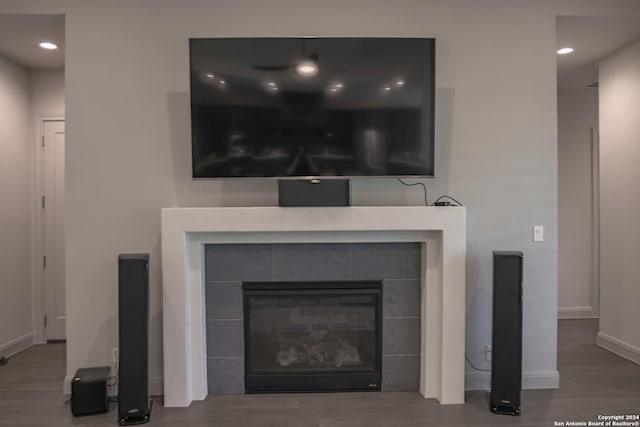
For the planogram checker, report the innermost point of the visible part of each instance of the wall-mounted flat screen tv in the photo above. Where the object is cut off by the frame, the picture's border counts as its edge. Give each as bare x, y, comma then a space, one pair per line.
312, 107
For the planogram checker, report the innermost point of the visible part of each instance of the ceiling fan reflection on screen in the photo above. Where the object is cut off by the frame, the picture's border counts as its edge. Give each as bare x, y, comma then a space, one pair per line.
305, 66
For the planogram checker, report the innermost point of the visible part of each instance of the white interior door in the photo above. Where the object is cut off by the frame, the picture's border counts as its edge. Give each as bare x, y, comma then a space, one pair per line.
53, 229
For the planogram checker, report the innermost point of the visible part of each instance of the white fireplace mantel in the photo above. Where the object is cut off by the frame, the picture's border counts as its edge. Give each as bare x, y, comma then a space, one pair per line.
441, 230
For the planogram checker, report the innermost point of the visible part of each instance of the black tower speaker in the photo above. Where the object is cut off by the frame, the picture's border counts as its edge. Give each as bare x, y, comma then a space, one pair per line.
133, 308
506, 359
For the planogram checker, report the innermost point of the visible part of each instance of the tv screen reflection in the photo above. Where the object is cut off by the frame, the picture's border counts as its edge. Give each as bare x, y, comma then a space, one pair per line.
278, 107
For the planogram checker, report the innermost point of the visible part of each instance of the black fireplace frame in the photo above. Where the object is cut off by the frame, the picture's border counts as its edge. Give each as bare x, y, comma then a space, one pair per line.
303, 381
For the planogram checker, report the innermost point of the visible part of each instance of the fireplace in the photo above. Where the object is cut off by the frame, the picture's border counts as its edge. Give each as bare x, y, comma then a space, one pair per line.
312, 336
441, 232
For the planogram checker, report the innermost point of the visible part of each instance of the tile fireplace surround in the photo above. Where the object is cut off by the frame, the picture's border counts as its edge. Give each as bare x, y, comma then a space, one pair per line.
440, 230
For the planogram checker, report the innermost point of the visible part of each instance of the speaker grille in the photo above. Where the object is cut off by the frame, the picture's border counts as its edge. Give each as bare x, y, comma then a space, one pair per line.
506, 360
133, 315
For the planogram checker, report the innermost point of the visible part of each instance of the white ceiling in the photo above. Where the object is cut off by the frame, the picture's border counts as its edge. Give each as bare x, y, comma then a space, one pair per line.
593, 38
20, 35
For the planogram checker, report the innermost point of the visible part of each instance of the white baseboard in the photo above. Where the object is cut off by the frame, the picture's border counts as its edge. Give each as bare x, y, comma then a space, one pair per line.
66, 385
530, 380
577, 313
540, 380
155, 386
473, 381
477, 381
16, 345
618, 347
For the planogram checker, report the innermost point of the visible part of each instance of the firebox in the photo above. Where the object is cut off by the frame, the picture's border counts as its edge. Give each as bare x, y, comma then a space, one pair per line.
312, 336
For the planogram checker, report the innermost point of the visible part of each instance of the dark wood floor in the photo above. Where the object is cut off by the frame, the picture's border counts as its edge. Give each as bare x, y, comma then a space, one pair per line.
593, 382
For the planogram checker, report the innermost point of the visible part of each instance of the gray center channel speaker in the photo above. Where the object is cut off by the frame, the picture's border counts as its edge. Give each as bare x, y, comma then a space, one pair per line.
506, 358
134, 406
314, 192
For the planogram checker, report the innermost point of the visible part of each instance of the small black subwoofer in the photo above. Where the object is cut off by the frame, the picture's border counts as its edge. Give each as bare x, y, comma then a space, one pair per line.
134, 406
89, 391
506, 358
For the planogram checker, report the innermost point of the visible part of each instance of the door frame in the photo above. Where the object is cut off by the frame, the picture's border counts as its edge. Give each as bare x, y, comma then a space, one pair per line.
38, 303
595, 222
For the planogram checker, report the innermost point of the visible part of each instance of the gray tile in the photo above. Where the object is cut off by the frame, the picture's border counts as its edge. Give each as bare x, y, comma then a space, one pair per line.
385, 261
224, 300
225, 338
401, 373
401, 336
225, 376
238, 262
311, 262
401, 298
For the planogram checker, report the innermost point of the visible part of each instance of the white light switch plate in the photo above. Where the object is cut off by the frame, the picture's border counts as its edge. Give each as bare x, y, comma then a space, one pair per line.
538, 233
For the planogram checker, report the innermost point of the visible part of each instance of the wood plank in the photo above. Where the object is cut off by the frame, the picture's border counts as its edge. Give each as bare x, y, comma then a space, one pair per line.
593, 381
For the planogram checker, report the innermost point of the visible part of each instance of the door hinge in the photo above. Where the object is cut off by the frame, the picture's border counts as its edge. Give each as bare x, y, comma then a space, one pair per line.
44, 261
42, 202
42, 139
45, 321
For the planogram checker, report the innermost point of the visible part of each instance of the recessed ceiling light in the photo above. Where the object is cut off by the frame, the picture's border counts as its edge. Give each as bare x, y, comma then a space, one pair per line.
210, 75
399, 82
565, 50
48, 45
306, 68
271, 87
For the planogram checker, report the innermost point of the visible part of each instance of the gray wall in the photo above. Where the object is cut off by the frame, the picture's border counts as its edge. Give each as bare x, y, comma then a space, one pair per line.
620, 200
47, 92
128, 139
24, 96
15, 213
577, 116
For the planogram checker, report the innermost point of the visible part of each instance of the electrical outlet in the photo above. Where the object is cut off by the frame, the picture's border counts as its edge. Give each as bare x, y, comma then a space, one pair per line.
538, 233
115, 355
487, 352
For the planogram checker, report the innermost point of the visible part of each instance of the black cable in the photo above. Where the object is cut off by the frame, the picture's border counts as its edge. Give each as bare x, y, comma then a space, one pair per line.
474, 367
426, 203
447, 197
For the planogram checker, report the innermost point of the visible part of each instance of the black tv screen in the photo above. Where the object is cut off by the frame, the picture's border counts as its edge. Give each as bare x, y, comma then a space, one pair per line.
307, 107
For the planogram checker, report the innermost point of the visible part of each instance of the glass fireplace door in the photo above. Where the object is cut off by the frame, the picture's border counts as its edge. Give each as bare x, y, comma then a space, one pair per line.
318, 336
